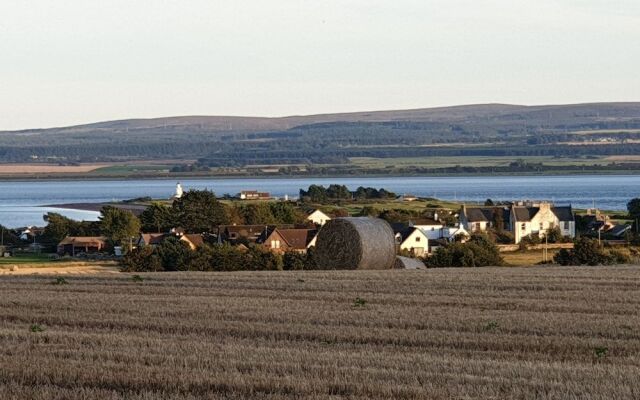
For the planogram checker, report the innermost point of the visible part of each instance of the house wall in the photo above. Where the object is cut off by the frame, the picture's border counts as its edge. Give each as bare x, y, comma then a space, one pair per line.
318, 218
416, 242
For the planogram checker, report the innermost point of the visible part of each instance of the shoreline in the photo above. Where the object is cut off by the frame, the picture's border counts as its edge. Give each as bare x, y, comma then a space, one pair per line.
96, 207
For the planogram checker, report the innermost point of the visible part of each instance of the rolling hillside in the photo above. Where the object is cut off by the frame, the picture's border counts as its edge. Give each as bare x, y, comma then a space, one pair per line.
489, 130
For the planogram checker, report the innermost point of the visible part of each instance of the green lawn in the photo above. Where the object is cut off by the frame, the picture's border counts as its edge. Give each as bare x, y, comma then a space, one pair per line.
26, 258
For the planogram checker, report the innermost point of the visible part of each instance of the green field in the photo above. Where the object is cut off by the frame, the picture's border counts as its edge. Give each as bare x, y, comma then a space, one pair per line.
133, 169
443, 162
27, 258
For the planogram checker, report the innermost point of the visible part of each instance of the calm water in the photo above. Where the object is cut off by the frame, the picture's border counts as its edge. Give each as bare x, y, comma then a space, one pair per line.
20, 202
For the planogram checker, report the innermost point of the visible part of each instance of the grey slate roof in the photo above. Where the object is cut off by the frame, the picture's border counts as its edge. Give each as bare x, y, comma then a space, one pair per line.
479, 214
486, 214
404, 233
619, 230
525, 213
563, 213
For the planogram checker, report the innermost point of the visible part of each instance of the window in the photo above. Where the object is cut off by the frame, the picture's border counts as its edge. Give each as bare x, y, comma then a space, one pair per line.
417, 238
275, 244
541, 226
523, 226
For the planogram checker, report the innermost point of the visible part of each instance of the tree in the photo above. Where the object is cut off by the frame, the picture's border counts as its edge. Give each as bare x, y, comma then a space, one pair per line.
258, 214
498, 218
286, 213
315, 193
489, 203
174, 254
198, 211
338, 192
119, 226
158, 217
633, 207
58, 227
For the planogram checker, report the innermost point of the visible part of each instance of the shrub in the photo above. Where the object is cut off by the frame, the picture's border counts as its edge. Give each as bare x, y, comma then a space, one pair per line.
588, 251
141, 259
554, 235
529, 240
501, 236
294, 261
478, 252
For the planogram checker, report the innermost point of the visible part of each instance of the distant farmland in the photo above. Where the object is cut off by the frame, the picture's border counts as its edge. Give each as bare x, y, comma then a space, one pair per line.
494, 333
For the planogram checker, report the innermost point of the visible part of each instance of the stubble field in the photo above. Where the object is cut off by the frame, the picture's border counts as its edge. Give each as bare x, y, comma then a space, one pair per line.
491, 333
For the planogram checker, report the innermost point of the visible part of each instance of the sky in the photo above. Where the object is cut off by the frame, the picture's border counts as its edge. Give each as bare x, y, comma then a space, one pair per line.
68, 62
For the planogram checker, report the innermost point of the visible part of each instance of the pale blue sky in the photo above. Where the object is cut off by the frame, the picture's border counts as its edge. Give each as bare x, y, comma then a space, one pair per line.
74, 61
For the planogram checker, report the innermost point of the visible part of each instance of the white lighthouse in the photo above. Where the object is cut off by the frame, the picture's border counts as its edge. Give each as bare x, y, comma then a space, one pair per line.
179, 191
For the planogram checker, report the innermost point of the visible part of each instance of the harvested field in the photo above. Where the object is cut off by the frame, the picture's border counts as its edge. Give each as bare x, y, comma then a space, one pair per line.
17, 169
490, 333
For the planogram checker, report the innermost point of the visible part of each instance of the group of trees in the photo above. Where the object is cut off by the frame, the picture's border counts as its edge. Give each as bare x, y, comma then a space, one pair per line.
117, 225
199, 211
175, 255
320, 194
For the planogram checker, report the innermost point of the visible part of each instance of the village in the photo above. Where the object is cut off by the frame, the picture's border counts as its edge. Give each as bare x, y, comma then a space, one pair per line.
526, 232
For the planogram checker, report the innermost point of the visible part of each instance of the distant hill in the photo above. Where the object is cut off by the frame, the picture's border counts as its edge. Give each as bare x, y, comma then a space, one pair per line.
576, 112
484, 129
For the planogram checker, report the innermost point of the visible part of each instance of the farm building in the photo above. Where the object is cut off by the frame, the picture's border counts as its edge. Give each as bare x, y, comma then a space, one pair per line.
253, 195
73, 245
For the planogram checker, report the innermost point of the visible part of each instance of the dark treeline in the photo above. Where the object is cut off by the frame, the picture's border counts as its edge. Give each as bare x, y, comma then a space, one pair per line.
175, 255
320, 194
533, 134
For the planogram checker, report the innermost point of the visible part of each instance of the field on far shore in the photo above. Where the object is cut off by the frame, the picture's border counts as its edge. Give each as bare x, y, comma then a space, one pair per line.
490, 333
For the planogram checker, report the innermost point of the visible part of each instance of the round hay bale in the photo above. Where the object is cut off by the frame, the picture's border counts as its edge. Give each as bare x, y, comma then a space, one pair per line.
355, 243
14, 268
409, 263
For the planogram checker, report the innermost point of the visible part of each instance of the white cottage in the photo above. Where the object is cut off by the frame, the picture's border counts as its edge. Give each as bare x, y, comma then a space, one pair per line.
318, 217
537, 219
412, 239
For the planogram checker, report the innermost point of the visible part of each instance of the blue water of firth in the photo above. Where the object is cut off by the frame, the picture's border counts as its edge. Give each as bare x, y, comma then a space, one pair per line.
21, 202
